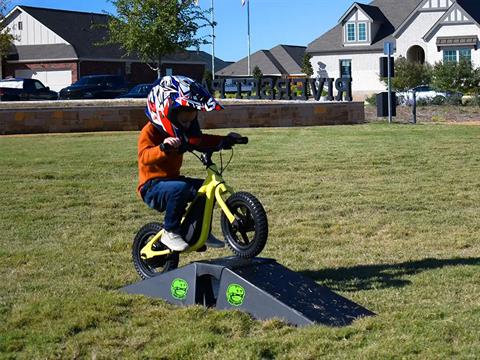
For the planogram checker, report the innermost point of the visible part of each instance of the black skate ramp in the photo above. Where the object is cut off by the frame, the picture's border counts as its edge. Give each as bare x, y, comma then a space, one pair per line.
259, 286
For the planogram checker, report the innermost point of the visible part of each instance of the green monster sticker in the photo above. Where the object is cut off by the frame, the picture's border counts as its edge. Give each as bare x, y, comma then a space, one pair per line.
235, 294
179, 289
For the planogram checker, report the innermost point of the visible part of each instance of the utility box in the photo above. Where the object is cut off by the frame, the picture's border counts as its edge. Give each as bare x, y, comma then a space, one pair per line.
382, 104
384, 66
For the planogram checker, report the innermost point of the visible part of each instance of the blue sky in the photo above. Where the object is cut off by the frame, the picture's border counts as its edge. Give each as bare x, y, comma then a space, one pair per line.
273, 22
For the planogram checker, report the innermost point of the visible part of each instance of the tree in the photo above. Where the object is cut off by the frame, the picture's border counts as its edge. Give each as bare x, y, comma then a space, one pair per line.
5, 37
152, 29
307, 68
410, 74
207, 79
257, 73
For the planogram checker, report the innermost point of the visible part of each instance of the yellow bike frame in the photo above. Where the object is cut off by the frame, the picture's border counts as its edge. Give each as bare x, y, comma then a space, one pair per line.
213, 188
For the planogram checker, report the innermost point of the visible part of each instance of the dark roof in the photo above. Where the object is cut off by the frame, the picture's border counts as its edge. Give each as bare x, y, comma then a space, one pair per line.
373, 13
472, 8
280, 60
390, 13
82, 30
42, 52
290, 56
85, 31
207, 59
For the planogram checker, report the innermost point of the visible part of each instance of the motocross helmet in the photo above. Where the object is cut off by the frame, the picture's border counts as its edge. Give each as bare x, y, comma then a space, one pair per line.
173, 93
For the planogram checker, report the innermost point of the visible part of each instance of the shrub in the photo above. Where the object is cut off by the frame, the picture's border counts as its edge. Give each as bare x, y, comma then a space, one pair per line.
455, 100
456, 77
372, 99
307, 68
257, 73
438, 100
424, 102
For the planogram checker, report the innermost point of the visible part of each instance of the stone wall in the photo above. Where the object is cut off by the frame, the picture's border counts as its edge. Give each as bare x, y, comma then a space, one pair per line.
117, 115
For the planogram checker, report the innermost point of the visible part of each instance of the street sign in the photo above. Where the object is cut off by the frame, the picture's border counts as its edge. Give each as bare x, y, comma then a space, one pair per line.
388, 48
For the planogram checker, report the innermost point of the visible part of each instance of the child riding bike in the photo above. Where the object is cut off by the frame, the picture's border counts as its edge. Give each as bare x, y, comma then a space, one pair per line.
172, 110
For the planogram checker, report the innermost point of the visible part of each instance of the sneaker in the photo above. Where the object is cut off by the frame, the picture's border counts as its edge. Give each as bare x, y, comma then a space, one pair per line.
173, 241
213, 242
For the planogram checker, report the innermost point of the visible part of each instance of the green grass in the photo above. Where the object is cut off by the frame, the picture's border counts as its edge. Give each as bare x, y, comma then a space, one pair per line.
387, 216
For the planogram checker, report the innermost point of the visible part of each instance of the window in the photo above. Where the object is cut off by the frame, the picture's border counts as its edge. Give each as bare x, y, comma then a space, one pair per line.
38, 85
457, 55
449, 56
346, 68
20, 25
28, 85
351, 32
362, 32
465, 54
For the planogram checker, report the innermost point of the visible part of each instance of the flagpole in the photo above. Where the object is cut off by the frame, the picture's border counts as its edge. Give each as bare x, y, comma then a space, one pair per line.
248, 21
213, 42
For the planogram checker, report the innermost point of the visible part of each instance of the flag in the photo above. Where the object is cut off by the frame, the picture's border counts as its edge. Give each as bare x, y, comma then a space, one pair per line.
243, 2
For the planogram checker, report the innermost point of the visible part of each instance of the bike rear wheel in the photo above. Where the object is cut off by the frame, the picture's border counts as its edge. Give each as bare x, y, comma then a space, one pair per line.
247, 236
159, 264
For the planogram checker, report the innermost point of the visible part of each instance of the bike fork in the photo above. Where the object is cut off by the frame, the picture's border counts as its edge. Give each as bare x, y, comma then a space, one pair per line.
221, 189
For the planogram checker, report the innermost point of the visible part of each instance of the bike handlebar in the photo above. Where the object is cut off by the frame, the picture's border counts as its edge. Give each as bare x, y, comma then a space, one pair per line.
242, 140
224, 145
166, 147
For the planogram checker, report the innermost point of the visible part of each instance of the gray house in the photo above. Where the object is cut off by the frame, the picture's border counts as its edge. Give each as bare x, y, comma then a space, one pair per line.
280, 61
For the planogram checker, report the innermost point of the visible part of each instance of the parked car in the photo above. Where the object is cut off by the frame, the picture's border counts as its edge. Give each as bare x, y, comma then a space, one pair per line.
425, 93
17, 89
138, 91
95, 87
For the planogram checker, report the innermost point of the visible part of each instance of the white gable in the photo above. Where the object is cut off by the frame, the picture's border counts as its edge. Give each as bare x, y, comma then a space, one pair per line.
362, 16
436, 4
29, 31
456, 16
357, 15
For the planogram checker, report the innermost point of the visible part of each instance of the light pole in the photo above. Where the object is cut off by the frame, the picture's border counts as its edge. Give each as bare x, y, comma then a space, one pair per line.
213, 42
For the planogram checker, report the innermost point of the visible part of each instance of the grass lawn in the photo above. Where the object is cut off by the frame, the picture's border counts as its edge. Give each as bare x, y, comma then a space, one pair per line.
387, 216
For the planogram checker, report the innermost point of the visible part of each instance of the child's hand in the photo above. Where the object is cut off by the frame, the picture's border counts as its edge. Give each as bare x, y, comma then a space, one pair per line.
173, 142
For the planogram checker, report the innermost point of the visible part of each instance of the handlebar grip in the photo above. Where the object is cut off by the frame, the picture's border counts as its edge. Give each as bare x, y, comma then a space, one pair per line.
242, 140
166, 147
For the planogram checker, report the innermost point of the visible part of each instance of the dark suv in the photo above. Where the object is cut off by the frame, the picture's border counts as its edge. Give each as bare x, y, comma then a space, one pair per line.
95, 87
25, 89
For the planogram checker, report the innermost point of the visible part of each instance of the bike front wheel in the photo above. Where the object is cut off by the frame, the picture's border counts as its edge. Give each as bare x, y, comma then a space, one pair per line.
247, 236
148, 268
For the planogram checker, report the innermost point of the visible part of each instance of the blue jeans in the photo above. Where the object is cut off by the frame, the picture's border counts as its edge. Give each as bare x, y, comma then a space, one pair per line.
171, 196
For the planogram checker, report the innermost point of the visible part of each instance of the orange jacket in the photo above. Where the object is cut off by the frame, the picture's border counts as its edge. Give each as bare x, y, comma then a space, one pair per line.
154, 163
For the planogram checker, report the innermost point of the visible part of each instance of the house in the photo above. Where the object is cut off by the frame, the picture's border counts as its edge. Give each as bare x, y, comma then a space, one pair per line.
280, 61
421, 31
59, 46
